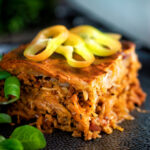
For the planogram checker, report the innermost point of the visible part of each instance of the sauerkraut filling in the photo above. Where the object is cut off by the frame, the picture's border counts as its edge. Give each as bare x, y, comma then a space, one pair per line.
52, 104
84, 101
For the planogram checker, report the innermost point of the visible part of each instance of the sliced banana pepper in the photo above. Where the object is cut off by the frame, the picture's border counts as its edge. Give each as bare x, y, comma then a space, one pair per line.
99, 43
74, 44
86, 41
114, 35
48, 39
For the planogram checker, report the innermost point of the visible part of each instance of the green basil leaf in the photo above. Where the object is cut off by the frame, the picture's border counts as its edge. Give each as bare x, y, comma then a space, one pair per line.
2, 138
1, 57
5, 118
4, 75
11, 144
30, 137
11, 88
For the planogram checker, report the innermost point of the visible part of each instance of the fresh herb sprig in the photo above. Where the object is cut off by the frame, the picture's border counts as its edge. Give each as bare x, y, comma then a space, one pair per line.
5, 118
2, 138
4, 75
11, 86
11, 144
30, 137
25, 137
1, 57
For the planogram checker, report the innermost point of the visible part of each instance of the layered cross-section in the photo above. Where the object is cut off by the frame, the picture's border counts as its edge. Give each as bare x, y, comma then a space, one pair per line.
84, 101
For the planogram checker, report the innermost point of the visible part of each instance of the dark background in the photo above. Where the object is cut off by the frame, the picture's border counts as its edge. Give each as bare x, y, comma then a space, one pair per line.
20, 20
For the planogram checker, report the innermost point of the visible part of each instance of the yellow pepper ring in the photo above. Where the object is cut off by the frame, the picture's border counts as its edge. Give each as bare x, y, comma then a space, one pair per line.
98, 43
58, 33
75, 44
114, 35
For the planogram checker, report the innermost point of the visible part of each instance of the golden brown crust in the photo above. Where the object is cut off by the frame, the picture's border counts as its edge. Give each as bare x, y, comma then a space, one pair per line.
15, 63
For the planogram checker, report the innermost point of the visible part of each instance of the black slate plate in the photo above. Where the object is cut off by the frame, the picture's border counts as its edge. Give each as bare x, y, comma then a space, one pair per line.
135, 137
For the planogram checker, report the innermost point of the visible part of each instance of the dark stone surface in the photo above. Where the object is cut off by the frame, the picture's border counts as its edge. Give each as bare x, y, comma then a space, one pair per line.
136, 135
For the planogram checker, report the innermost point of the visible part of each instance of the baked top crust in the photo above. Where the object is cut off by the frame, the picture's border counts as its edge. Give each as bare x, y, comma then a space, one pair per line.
57, 67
